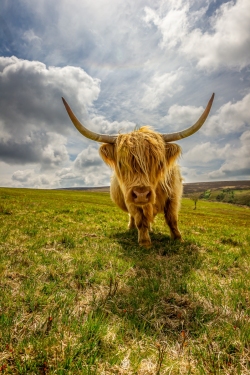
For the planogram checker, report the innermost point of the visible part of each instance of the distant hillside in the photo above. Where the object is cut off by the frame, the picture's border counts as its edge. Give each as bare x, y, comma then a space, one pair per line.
100, 189
195, 187
235, 192
189, 188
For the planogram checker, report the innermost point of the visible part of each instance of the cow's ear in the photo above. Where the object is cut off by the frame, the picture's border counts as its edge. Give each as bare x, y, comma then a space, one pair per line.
173, 152
107, 153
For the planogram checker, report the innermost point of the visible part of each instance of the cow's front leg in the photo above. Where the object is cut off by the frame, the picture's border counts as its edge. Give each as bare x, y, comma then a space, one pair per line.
131, 223
143, 218
143, 227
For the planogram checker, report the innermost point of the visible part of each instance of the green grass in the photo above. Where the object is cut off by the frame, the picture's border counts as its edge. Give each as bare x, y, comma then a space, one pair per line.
79, 296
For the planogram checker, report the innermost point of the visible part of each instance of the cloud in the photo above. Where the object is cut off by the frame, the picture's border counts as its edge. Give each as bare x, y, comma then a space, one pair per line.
48, 149
228, 44
225, 44
205, 153
161, 86
181, 117
90, 169
228, 163
23, 175
87, 158
30, 36
31, 94
29, 178
31, 111
114, 127
230, 118
173, 25
237, 163
33, 121
55, 152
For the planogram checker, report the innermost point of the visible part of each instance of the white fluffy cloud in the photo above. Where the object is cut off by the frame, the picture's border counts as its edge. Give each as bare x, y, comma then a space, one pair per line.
226, 44
230, 162
206, 152
180, 117
87, 158
237, 161
100, 124
23, 175
30, 178
55, 152
173, 25
230, 118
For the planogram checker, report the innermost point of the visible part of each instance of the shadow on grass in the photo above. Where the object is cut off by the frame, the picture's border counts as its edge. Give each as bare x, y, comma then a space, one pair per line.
161, 243
156, 299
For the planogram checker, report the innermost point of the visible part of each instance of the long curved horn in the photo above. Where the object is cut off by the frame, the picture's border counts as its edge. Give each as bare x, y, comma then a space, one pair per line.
86, 132
192, 129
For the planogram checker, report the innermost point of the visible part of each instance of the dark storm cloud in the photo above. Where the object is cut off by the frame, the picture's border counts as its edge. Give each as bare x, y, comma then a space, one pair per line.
47, 149
31, 109
30, 95
16, 153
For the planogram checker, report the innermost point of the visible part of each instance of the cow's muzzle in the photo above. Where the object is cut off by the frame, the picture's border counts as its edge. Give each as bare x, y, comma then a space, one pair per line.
141, 195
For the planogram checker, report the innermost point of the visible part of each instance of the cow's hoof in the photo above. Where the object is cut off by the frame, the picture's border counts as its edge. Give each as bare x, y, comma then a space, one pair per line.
176, 237
145, 243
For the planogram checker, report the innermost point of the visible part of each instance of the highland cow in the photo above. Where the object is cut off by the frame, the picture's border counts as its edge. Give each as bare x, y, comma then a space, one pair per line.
146, 179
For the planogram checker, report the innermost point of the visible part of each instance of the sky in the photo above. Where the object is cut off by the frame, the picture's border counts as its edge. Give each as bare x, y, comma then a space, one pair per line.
121, 64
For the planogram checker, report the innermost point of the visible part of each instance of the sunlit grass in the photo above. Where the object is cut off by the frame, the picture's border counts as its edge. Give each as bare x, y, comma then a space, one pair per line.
79, 296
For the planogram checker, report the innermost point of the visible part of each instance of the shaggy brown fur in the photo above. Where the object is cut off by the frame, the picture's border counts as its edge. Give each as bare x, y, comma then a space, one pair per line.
146, 179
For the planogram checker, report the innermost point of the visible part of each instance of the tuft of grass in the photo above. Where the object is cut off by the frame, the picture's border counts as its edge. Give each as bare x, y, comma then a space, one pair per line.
67, 241
79, 296
4, 210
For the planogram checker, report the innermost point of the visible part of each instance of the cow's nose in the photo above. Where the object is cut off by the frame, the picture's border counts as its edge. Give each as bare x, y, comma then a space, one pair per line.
141, 194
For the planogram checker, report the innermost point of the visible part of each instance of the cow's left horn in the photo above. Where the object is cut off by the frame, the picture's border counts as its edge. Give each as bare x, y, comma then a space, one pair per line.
192, 129
104, 138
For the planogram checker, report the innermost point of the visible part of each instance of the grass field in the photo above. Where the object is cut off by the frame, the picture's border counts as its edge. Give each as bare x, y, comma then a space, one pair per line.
79, 296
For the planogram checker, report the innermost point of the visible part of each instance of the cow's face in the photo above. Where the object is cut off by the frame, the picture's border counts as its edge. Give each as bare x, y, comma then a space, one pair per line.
141, 160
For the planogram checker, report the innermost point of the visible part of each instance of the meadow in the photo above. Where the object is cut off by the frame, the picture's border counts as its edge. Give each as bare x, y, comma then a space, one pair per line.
79, 296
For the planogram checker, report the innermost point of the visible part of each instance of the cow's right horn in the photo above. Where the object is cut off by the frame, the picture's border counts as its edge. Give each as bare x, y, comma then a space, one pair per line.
104, 138
192, 129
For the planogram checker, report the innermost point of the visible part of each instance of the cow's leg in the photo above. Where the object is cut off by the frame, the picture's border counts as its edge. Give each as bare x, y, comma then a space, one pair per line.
171, 210
143, 217
131, 223
143, 227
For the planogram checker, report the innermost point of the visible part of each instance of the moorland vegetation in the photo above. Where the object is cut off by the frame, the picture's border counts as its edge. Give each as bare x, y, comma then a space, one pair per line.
78, 295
